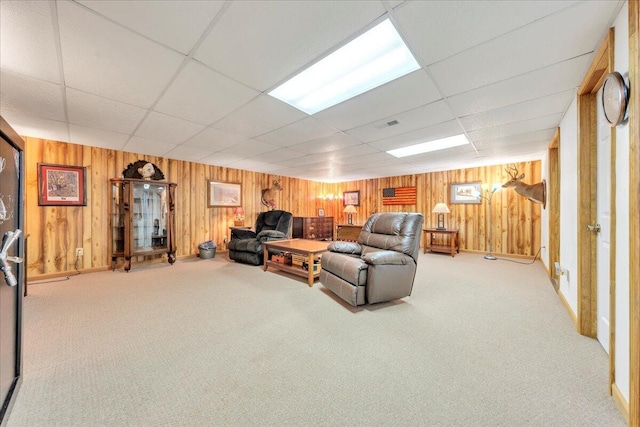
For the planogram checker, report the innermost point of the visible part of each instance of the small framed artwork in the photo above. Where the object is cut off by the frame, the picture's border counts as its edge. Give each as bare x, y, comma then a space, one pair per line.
320, 212
60, 185
224, 194
351, 198
468, 192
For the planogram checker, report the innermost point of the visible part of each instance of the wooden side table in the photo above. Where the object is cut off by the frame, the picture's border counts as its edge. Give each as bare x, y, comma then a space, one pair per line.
452, 235
348, 232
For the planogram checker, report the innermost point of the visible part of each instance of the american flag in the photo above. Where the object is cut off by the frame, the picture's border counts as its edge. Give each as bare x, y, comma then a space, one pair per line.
399, 196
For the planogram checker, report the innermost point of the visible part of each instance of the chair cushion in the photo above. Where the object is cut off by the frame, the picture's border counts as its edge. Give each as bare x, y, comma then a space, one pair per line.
245, 245
349, 268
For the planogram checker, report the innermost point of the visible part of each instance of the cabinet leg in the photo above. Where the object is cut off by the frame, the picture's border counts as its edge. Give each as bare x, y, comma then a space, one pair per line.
127, 264
171, 257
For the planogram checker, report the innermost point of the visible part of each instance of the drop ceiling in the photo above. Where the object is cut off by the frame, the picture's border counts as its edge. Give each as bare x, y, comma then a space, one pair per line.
188, 80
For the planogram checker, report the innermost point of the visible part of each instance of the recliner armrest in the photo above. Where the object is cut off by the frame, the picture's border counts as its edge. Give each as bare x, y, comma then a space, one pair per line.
349, 248
267, 235
242, 233
386, 258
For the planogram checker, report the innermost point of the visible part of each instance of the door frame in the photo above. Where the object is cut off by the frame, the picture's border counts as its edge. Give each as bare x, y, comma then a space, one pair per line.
634, 213
587, 202
553, 191
7, 132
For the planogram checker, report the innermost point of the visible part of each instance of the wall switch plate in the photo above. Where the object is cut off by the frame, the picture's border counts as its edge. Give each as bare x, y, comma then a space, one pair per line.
79, 252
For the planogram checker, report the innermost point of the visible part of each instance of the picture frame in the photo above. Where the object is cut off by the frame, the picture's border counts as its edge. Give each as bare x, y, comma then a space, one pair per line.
351, 198
320, 212
225, 194
466, 193
62, 185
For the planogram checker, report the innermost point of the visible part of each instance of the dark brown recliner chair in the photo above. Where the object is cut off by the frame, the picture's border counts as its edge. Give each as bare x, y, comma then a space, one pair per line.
246, 245
381, 265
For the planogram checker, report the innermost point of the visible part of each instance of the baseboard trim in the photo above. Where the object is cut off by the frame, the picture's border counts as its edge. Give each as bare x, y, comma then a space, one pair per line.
501, 255
622, 403
567, 306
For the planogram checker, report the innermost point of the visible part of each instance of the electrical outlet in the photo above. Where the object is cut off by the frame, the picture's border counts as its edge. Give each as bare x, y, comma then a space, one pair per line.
224, 240
79, 252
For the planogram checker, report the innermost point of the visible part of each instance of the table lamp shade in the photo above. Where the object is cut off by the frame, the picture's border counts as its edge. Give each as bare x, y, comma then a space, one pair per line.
441, 209
350, 209
239, 216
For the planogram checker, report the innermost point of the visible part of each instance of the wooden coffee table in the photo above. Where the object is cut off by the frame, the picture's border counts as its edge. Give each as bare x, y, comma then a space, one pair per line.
308, 248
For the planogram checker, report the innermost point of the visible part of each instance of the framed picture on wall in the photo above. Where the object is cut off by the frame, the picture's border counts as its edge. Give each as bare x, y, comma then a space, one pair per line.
468, 192
224, 194
351, 198
60, 185
320, 212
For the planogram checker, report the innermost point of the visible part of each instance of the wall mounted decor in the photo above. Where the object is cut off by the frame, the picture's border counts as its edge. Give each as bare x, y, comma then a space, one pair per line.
60, 185
141, 169
268, 197
467, 192
399, 196
351, 198
224, 194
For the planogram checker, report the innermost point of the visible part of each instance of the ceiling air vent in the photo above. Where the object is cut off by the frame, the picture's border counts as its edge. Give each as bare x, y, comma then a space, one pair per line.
386, 125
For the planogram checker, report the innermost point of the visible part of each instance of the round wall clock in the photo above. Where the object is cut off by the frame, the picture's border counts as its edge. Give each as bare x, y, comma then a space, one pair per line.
615, 96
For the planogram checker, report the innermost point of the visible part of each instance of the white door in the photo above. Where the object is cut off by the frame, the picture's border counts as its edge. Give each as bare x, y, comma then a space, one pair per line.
604, 219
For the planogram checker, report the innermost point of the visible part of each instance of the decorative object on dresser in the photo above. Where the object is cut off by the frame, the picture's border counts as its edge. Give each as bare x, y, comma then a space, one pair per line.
348, 232
142, 219
350, 210
142, 169
313, 228
441, 209
247, 246
380, 266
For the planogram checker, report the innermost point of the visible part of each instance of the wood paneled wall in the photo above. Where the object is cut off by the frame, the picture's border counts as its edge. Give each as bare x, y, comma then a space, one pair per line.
55, 232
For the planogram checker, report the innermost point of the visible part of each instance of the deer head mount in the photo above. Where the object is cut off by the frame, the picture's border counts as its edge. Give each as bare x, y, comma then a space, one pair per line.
537, 193
269, 194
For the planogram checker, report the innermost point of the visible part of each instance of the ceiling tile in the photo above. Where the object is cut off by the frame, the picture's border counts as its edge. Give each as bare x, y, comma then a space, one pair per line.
97, 138
333, 142
250, 148
28, 46
504, 142
556, 78
36, 127
278, 155
214, 140
177, 24
439, 29
256, 165
543, 106
303, 130
426, 115
221, 159
573, 31
260, 43
418, 136
31, 97
148, 147
530, 125
202, 95
397, 96
189, 154
260, 116
103, 58
166, 128
89, 110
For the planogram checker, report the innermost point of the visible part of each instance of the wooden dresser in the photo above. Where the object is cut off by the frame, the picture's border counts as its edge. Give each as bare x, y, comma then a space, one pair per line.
348, 232
313, 227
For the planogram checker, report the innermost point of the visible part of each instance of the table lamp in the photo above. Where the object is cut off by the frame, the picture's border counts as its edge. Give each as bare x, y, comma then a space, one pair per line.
349, 209
239, 216
441, 209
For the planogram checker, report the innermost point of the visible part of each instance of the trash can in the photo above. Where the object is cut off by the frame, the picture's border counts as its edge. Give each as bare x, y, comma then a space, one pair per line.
207, 249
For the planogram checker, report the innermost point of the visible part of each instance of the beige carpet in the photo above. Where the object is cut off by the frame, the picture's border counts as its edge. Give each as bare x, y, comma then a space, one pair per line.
215, 343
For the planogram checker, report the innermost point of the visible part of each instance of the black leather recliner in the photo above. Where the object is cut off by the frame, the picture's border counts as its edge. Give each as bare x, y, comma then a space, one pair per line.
246, 245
